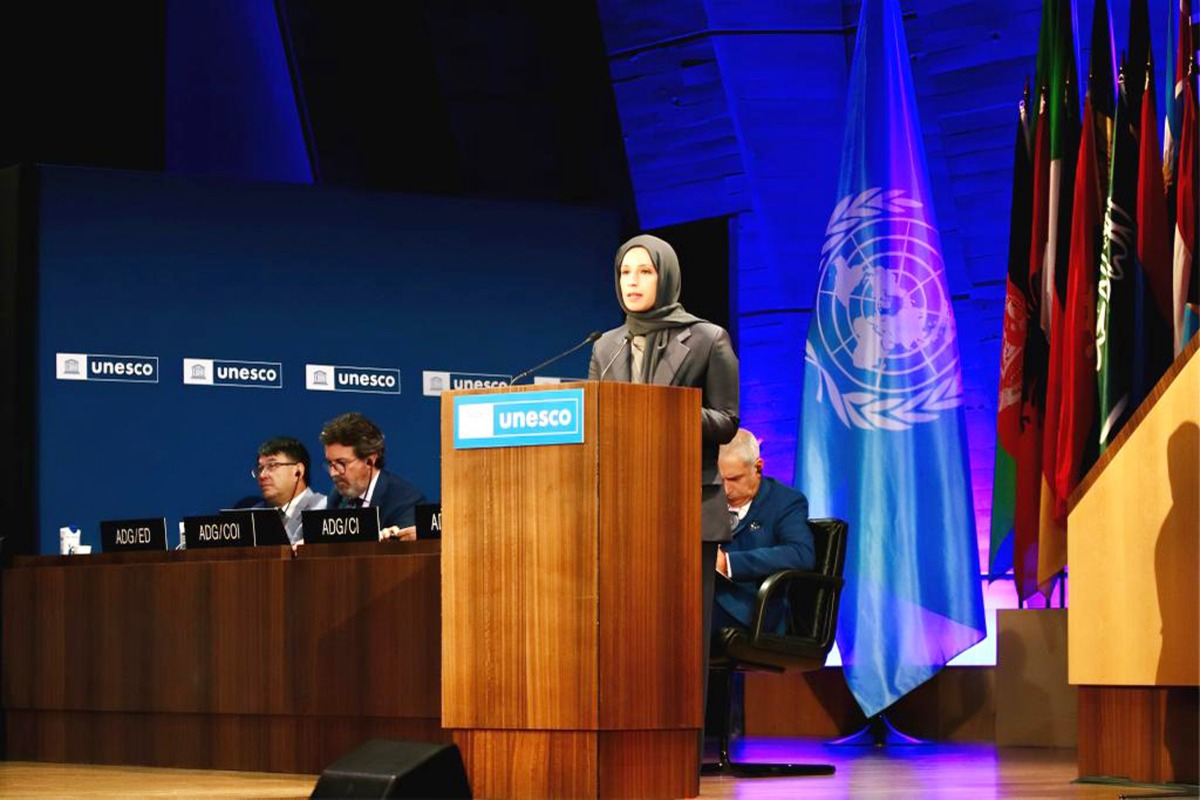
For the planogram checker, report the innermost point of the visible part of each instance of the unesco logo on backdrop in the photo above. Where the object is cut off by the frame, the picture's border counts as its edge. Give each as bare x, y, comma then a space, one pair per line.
242, 374
433, 383
87, 367
331, 378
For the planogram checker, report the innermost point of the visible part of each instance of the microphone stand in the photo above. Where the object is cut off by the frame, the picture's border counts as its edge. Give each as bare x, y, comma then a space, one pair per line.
591, 337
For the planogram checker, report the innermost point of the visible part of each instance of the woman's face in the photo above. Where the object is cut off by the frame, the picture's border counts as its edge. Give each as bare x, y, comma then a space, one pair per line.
639, 280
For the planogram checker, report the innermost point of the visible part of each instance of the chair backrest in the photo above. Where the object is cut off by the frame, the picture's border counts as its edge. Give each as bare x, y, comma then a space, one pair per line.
814, 608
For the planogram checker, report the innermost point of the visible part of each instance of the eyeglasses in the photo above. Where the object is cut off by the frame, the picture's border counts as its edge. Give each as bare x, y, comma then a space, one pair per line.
270, 466
338, 466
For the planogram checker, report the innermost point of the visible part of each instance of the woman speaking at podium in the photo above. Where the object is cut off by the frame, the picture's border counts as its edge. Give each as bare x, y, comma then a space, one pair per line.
662, 344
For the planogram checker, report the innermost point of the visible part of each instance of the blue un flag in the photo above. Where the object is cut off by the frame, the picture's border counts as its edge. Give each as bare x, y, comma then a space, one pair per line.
882, 439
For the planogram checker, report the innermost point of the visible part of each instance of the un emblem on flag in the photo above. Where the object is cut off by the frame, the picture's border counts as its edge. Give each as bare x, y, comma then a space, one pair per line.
883, 336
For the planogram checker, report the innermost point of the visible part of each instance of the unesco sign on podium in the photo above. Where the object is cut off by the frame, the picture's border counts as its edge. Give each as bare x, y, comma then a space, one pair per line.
521, 419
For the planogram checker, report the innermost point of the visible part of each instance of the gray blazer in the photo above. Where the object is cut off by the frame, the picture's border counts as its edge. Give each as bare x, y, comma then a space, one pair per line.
698, 355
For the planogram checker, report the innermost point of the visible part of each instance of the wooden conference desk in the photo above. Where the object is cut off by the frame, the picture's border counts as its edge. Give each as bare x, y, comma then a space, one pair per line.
242, 659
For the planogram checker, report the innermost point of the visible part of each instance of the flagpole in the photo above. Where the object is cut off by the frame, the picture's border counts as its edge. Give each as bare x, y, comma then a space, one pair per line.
878, 732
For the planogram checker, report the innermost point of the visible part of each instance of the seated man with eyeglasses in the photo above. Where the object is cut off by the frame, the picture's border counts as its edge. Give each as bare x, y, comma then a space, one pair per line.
354, 450
282, 475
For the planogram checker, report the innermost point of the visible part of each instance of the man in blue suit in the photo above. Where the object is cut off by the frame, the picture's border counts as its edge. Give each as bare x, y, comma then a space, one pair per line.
770, 532
354, 451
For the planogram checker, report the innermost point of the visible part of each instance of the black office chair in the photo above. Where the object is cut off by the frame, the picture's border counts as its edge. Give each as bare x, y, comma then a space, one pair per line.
812, 609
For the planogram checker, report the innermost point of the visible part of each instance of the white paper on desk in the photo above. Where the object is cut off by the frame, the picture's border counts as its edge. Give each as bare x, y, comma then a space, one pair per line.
68, 540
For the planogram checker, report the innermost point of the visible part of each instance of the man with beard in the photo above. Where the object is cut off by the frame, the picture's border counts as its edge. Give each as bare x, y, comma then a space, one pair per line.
354, 452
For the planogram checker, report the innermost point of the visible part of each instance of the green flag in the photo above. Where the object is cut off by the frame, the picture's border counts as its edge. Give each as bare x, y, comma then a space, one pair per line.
1115, 290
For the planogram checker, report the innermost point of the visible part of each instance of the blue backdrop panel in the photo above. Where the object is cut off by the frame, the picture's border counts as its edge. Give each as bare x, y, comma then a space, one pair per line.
174, 267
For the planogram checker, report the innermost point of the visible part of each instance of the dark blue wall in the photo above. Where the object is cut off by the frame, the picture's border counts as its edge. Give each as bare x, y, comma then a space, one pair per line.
230, 106
147, 264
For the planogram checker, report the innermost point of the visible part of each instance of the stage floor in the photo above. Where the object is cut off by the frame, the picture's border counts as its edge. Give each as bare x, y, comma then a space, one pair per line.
973, 771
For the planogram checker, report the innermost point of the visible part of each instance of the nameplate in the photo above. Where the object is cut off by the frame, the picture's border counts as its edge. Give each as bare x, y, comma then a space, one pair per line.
519, 419
331, 525
217, 530
429, 520
123, 535
265, 525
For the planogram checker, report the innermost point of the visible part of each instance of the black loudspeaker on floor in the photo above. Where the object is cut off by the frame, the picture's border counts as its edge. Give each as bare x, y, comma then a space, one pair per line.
384, 768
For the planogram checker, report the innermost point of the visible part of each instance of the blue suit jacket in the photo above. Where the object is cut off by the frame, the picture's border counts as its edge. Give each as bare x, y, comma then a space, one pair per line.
395, 497
774, 535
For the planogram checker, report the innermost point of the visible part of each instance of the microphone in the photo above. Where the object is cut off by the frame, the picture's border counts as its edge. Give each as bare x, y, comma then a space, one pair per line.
362, 501
591, 337
295, 490
624, 343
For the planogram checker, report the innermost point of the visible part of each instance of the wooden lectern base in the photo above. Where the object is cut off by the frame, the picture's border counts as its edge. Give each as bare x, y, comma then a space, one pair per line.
545, 764
1145, 734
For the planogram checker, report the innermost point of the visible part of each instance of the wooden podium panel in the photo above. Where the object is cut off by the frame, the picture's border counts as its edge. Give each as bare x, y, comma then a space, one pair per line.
619, 764
251, 660
571, 636
649, 557
519, 531
1134, 554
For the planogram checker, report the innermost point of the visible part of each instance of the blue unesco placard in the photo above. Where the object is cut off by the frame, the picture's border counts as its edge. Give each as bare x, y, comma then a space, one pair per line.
520, 419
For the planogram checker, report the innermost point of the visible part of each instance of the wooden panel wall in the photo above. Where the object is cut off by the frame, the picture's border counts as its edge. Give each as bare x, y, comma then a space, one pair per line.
254, 662
302, 745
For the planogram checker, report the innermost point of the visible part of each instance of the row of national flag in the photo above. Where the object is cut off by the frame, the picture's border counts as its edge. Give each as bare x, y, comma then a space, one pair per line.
1102, 281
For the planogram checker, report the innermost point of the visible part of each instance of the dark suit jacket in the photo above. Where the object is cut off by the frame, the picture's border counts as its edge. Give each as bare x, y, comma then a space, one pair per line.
699, 355
395, 497
774, 535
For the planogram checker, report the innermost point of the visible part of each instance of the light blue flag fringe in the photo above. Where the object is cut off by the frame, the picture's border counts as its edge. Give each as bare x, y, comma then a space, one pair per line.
882, 439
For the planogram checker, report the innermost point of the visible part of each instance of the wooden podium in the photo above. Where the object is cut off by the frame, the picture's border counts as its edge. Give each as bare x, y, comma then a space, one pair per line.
571, 616
1134, 620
